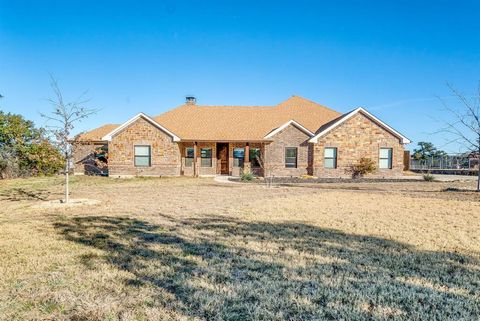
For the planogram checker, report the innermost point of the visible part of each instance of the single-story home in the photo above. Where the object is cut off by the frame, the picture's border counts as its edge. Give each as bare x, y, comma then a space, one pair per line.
296, 137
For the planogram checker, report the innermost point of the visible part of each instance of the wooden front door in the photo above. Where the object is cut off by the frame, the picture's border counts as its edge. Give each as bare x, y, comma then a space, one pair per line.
222, 158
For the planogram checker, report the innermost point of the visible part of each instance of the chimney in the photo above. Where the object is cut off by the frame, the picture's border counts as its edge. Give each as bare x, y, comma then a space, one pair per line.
190, 100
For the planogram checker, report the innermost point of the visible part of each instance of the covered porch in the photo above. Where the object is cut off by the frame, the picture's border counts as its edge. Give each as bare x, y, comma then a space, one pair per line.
221, 158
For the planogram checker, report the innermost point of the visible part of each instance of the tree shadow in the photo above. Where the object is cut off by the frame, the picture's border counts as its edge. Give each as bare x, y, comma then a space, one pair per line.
22, 194
218, 268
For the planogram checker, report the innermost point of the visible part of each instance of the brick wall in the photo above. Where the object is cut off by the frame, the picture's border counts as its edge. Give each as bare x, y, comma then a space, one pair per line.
355, 138
165, 153
291, 136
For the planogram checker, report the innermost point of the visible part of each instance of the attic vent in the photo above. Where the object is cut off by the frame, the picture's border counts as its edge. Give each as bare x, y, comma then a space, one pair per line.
190, 100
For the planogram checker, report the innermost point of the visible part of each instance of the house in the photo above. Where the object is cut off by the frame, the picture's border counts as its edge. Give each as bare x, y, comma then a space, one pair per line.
474, 160
295, 137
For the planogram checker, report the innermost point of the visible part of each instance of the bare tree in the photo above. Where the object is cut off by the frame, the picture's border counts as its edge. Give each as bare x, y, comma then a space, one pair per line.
267, 168
64, 117
464, 125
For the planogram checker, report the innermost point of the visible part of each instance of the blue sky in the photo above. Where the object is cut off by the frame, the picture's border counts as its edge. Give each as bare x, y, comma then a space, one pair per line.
391, 57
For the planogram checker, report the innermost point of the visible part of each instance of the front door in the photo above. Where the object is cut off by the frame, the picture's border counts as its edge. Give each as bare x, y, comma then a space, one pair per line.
222, 158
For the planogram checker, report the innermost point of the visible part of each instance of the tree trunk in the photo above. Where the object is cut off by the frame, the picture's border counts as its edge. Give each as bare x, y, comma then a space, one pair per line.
67, 192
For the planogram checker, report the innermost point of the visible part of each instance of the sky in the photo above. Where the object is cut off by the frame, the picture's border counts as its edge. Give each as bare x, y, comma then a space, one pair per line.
393, 58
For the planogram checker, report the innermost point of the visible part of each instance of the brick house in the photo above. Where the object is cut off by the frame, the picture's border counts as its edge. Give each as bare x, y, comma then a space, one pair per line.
296, 137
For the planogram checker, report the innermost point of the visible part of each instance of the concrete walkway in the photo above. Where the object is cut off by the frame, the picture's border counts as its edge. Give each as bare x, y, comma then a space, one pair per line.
453, 178
223, 179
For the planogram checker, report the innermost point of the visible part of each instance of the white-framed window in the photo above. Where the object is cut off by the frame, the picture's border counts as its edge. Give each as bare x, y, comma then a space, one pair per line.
385, 158
330, 157
189, 156
238, 156
290, 157
143, 156
206, 156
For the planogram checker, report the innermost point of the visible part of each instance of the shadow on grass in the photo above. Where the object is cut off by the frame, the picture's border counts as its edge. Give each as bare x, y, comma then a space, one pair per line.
23, 194
217, 268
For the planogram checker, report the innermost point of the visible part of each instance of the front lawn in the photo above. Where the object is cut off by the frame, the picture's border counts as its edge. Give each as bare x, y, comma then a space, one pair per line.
194, 249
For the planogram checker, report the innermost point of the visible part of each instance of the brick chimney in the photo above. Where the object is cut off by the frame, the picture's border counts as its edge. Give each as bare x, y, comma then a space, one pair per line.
190, 100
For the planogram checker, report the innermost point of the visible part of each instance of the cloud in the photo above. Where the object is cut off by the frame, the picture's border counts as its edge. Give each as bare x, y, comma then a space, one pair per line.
406, 101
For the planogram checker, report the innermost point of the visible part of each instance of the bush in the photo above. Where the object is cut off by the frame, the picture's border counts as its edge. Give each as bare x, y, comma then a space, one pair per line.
428, 177
363, 167
246, 177
306, 177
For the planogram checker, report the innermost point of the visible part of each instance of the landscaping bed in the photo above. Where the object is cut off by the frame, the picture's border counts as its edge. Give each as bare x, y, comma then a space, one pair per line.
301, 180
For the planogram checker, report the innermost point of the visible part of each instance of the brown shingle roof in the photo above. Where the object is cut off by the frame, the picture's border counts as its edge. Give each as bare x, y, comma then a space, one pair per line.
96, 134
235, 123
242, 123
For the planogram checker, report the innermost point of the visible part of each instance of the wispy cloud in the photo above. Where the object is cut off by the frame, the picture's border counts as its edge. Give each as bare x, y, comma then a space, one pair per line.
407, 101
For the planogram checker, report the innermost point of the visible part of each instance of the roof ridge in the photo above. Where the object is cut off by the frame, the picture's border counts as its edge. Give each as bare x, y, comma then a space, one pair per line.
172, 110
240, 106
310, 101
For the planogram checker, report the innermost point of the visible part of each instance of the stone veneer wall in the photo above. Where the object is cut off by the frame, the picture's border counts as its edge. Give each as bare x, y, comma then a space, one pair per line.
291, 136
165, 153
356, 138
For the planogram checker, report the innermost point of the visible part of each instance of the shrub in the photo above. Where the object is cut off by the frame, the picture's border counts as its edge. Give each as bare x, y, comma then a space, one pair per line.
306, 177
246, 177
428, 177
363, 167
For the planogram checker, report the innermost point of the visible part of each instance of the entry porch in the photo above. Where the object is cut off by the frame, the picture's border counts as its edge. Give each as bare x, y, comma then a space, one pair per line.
221, 158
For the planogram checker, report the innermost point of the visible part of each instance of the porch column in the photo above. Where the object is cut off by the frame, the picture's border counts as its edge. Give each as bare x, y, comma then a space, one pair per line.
195, 168
246, 159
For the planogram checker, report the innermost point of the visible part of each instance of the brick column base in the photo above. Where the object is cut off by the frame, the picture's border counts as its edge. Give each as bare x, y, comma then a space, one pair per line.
247, 167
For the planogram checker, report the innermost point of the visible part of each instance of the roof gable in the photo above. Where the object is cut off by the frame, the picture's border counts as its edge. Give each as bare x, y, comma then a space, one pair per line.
108, 137
326, 128
288, 123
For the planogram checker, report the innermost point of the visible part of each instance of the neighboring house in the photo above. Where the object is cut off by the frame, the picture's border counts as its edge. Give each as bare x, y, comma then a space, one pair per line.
296, 137
474, 160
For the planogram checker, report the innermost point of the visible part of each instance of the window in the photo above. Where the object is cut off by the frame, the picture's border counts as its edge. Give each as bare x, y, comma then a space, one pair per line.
330, 157
142, 156
206, 155
189, 156
385, 158
291, 157
254, 157
238, 157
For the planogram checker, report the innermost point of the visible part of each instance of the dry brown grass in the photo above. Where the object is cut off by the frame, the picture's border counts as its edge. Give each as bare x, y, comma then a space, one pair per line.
192, 249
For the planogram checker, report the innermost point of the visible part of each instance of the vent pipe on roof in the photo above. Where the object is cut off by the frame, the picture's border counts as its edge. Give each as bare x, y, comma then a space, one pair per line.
190, 100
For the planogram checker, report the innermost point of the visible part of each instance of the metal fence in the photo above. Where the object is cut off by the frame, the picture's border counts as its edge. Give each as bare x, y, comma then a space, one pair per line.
452, 162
